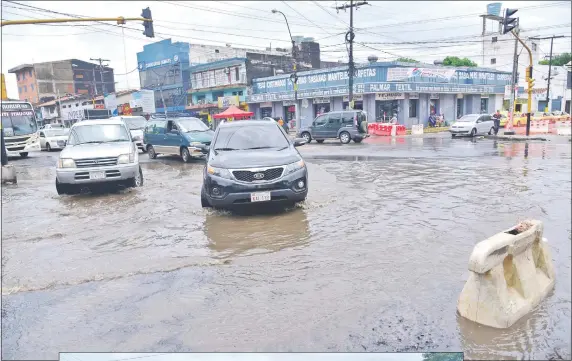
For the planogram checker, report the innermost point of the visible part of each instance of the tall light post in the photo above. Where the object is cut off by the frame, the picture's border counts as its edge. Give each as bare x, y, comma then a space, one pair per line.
293, 76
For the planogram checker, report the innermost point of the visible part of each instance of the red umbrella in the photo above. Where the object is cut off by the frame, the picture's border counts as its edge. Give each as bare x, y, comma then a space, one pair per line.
233, 112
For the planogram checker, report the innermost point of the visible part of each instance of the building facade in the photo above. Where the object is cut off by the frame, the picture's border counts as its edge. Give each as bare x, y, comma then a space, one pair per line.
217, 85
164, 68
410, 92
41, 82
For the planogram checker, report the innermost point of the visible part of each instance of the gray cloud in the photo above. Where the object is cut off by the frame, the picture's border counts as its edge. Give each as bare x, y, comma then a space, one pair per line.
253, 24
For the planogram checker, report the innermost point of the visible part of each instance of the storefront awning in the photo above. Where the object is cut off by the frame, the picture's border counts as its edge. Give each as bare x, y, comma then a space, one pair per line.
233, 112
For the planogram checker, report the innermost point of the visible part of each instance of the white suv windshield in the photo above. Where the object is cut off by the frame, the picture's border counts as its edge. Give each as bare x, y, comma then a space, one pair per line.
99, 133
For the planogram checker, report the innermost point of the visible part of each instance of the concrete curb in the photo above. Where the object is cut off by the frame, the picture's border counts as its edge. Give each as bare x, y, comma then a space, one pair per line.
9, 174
510, 274
430, 130
515, 138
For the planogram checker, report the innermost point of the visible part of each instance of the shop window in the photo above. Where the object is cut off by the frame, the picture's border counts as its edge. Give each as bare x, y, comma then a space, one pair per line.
240, 92
25, 88
32, 87
265, 112
484, 105
518, 108
19, 90
413, 108
236, 73
493, 61
233, 93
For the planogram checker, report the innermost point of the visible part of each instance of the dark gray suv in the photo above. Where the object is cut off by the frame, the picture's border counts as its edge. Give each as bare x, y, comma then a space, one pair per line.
345, 125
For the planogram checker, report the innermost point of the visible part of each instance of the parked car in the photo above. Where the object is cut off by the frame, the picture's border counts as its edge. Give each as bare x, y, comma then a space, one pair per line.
185, 137
344, 125
97, 152
136, 125
53, 138
253, 162
473, 124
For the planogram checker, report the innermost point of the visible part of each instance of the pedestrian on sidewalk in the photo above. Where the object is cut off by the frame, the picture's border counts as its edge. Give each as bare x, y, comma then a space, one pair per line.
497, 117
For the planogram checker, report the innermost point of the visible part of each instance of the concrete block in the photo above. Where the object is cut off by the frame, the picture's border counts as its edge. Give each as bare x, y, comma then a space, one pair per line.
417, 129
510, 273
8, 174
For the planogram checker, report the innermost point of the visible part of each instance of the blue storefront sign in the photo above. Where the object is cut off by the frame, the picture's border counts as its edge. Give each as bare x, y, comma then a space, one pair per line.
379, 88
378, 78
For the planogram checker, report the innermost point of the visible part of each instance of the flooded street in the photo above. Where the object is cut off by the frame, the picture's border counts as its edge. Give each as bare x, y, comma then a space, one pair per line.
374, 260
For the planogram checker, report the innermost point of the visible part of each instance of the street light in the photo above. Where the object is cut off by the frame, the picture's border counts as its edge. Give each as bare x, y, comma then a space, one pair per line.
294, 76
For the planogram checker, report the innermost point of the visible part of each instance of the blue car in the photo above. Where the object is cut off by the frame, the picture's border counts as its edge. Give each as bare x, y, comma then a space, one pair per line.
185, 137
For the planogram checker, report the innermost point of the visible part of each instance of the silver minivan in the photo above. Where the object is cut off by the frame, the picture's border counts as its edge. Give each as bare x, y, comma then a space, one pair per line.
345, 125
136, 125
98, 152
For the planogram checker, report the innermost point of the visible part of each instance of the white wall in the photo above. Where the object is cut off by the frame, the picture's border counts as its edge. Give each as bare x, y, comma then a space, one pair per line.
74, 112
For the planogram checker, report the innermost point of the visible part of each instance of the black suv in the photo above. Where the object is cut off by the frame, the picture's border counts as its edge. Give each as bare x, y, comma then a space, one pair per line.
253, 161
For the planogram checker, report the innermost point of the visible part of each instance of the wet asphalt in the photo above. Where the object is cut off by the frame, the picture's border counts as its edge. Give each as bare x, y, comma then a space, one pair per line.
374, 260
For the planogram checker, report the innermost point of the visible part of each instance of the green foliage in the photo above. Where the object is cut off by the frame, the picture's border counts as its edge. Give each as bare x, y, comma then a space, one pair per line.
456, 61
407, 60
558, 60
443, 356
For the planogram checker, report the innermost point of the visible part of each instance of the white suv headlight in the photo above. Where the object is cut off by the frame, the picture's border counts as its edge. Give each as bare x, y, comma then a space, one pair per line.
292, 167
66, 163
126, 158
219, 172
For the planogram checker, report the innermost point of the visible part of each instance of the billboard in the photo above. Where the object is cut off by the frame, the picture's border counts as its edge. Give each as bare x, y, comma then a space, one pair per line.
145, 99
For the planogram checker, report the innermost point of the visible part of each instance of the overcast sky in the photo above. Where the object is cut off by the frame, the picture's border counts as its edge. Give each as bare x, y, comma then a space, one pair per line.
240, 357
252, 24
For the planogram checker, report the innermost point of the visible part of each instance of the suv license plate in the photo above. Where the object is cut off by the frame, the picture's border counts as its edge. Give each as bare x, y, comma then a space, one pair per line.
260, 197
96, 175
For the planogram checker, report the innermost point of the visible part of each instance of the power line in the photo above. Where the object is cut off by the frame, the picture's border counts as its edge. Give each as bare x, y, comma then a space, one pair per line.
302, 15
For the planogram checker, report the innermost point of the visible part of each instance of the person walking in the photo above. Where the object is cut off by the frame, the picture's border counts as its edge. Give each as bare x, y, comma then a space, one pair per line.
497, 117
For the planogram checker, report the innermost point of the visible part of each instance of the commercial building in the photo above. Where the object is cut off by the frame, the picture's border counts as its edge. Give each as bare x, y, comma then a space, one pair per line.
68, 109
383, 89
40, 82
164, 68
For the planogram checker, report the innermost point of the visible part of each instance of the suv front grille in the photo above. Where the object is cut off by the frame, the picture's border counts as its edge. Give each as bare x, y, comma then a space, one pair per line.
95, 162
249, 176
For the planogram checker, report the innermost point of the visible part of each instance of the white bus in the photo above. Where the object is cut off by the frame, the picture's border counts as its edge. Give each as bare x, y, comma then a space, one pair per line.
20, 128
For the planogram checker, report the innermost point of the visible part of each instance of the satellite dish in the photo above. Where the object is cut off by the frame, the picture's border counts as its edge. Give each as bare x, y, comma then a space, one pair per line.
372, 58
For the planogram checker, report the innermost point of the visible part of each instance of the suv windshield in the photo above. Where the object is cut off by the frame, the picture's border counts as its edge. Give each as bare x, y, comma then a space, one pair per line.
250, 137
135, 123
56, 132
192, 125
468, 118
99, 133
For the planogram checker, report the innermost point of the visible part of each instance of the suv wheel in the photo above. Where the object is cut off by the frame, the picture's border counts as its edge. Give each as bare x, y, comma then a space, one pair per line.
186, 155
307, 137
204, 201
151, 152
136, 181
345, 137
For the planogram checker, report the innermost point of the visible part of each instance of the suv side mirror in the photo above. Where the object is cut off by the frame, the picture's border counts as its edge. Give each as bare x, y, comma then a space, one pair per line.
298, 142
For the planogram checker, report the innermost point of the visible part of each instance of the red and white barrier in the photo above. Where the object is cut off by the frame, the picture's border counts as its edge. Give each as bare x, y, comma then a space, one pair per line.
564, 128
539, 126
386, 130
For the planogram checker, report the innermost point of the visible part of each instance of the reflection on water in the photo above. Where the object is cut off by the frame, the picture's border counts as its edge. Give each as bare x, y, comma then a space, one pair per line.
232, 235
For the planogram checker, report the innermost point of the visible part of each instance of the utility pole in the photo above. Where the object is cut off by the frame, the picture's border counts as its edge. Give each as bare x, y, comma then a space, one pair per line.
549, 67
100, 72
350, 39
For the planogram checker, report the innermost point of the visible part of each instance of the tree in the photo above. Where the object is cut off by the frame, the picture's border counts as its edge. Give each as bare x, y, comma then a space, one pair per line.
443, 356
558, 60
456, 61
407, 60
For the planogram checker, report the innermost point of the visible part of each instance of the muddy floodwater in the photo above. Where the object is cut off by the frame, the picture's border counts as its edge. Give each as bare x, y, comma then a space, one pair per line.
374, 260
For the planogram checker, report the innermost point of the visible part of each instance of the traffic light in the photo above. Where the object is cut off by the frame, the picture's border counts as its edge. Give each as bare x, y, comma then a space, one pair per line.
508, 23
149, 32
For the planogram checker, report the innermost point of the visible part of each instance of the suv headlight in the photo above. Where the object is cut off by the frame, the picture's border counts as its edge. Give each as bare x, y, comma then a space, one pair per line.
219, 172
126, 158
292, 167
66, 163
